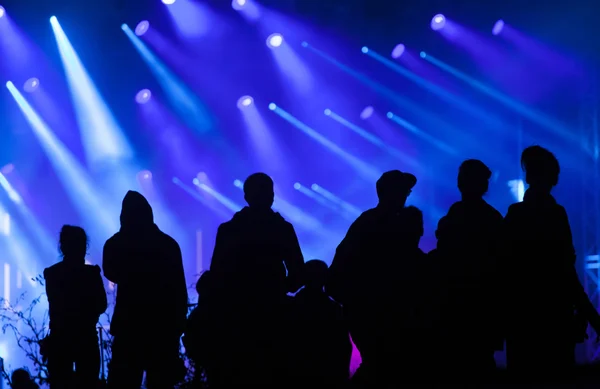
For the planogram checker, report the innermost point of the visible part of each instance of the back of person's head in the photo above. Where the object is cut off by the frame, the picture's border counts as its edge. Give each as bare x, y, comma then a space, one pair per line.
414, 223
394, 187
136, 211
204, 284
315, 273
258, 191
73, 244
473, 178
541, 167
21, 379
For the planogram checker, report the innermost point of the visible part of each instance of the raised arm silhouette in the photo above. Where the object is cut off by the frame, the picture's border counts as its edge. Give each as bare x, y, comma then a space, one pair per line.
540, 280
76, 299
146, 266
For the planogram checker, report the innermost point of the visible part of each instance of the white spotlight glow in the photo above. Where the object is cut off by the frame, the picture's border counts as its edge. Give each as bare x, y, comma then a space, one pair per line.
274, 40
498, 26
142, 27
272, 106
168, 2
2, 11
398, 51
245, 101
143, 96
366, 113
31, 85
438, 22
238, 4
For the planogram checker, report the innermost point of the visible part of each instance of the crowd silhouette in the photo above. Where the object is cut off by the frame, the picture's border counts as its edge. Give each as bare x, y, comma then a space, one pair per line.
265, 317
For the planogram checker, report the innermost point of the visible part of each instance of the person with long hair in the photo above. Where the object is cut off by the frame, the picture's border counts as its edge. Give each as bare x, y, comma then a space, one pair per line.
76, 299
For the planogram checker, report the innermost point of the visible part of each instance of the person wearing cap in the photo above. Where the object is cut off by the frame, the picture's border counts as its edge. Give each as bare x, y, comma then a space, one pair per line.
467, 249
367, 266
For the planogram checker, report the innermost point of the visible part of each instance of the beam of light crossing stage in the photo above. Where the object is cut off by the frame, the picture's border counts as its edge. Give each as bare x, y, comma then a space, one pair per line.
42, 237
536, 117
228, 203
295, 214
351, 209
384, 91
319, 199
368, 172
458, 101
421, 134
69, 170
102, 137
182, 100
194, 193
20, 250
372, 139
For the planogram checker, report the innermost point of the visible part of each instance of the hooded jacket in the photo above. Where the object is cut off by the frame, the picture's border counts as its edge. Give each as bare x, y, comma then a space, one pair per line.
147, 267
253, 251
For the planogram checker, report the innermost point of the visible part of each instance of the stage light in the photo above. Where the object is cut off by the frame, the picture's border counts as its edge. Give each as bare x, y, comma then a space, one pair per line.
7, 169
245, 101
142, 27
297, 186
366, 113
274, 40
31, 85
143, 96
423, 54
327, 112
365, 49
272, 106
390, 115
498, 26
2, 11
238, 4
438, 22
168, 2
145, 174
202, 177
398, 51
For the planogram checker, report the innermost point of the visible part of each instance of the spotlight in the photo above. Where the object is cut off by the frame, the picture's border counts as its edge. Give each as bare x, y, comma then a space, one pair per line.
245, 101
314, 187
272, 106
423, 54
145, 175
31, 85
238, 4
365, 49
390, 115
327, 112
438, 22
498, 26
398, 51
366, 113
168, 2
238, 183
142, 27
274, 40
2, 11
143, 96
297, 186
202, 177
7, 169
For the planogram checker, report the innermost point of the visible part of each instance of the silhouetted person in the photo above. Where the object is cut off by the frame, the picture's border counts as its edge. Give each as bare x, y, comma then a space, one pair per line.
321, 345
252, 253
199, 340
151, 308
21, 379
540, 281
364, 271
76, 299
468, 248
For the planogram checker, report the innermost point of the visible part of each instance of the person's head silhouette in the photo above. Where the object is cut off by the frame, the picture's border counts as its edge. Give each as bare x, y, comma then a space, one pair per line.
315, 272
393, 188
473, 179
204, 284
258, 191
541, 168
73, 244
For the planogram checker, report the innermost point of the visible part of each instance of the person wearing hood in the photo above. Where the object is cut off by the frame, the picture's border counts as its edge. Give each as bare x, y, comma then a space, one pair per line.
146, 266
252, 253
